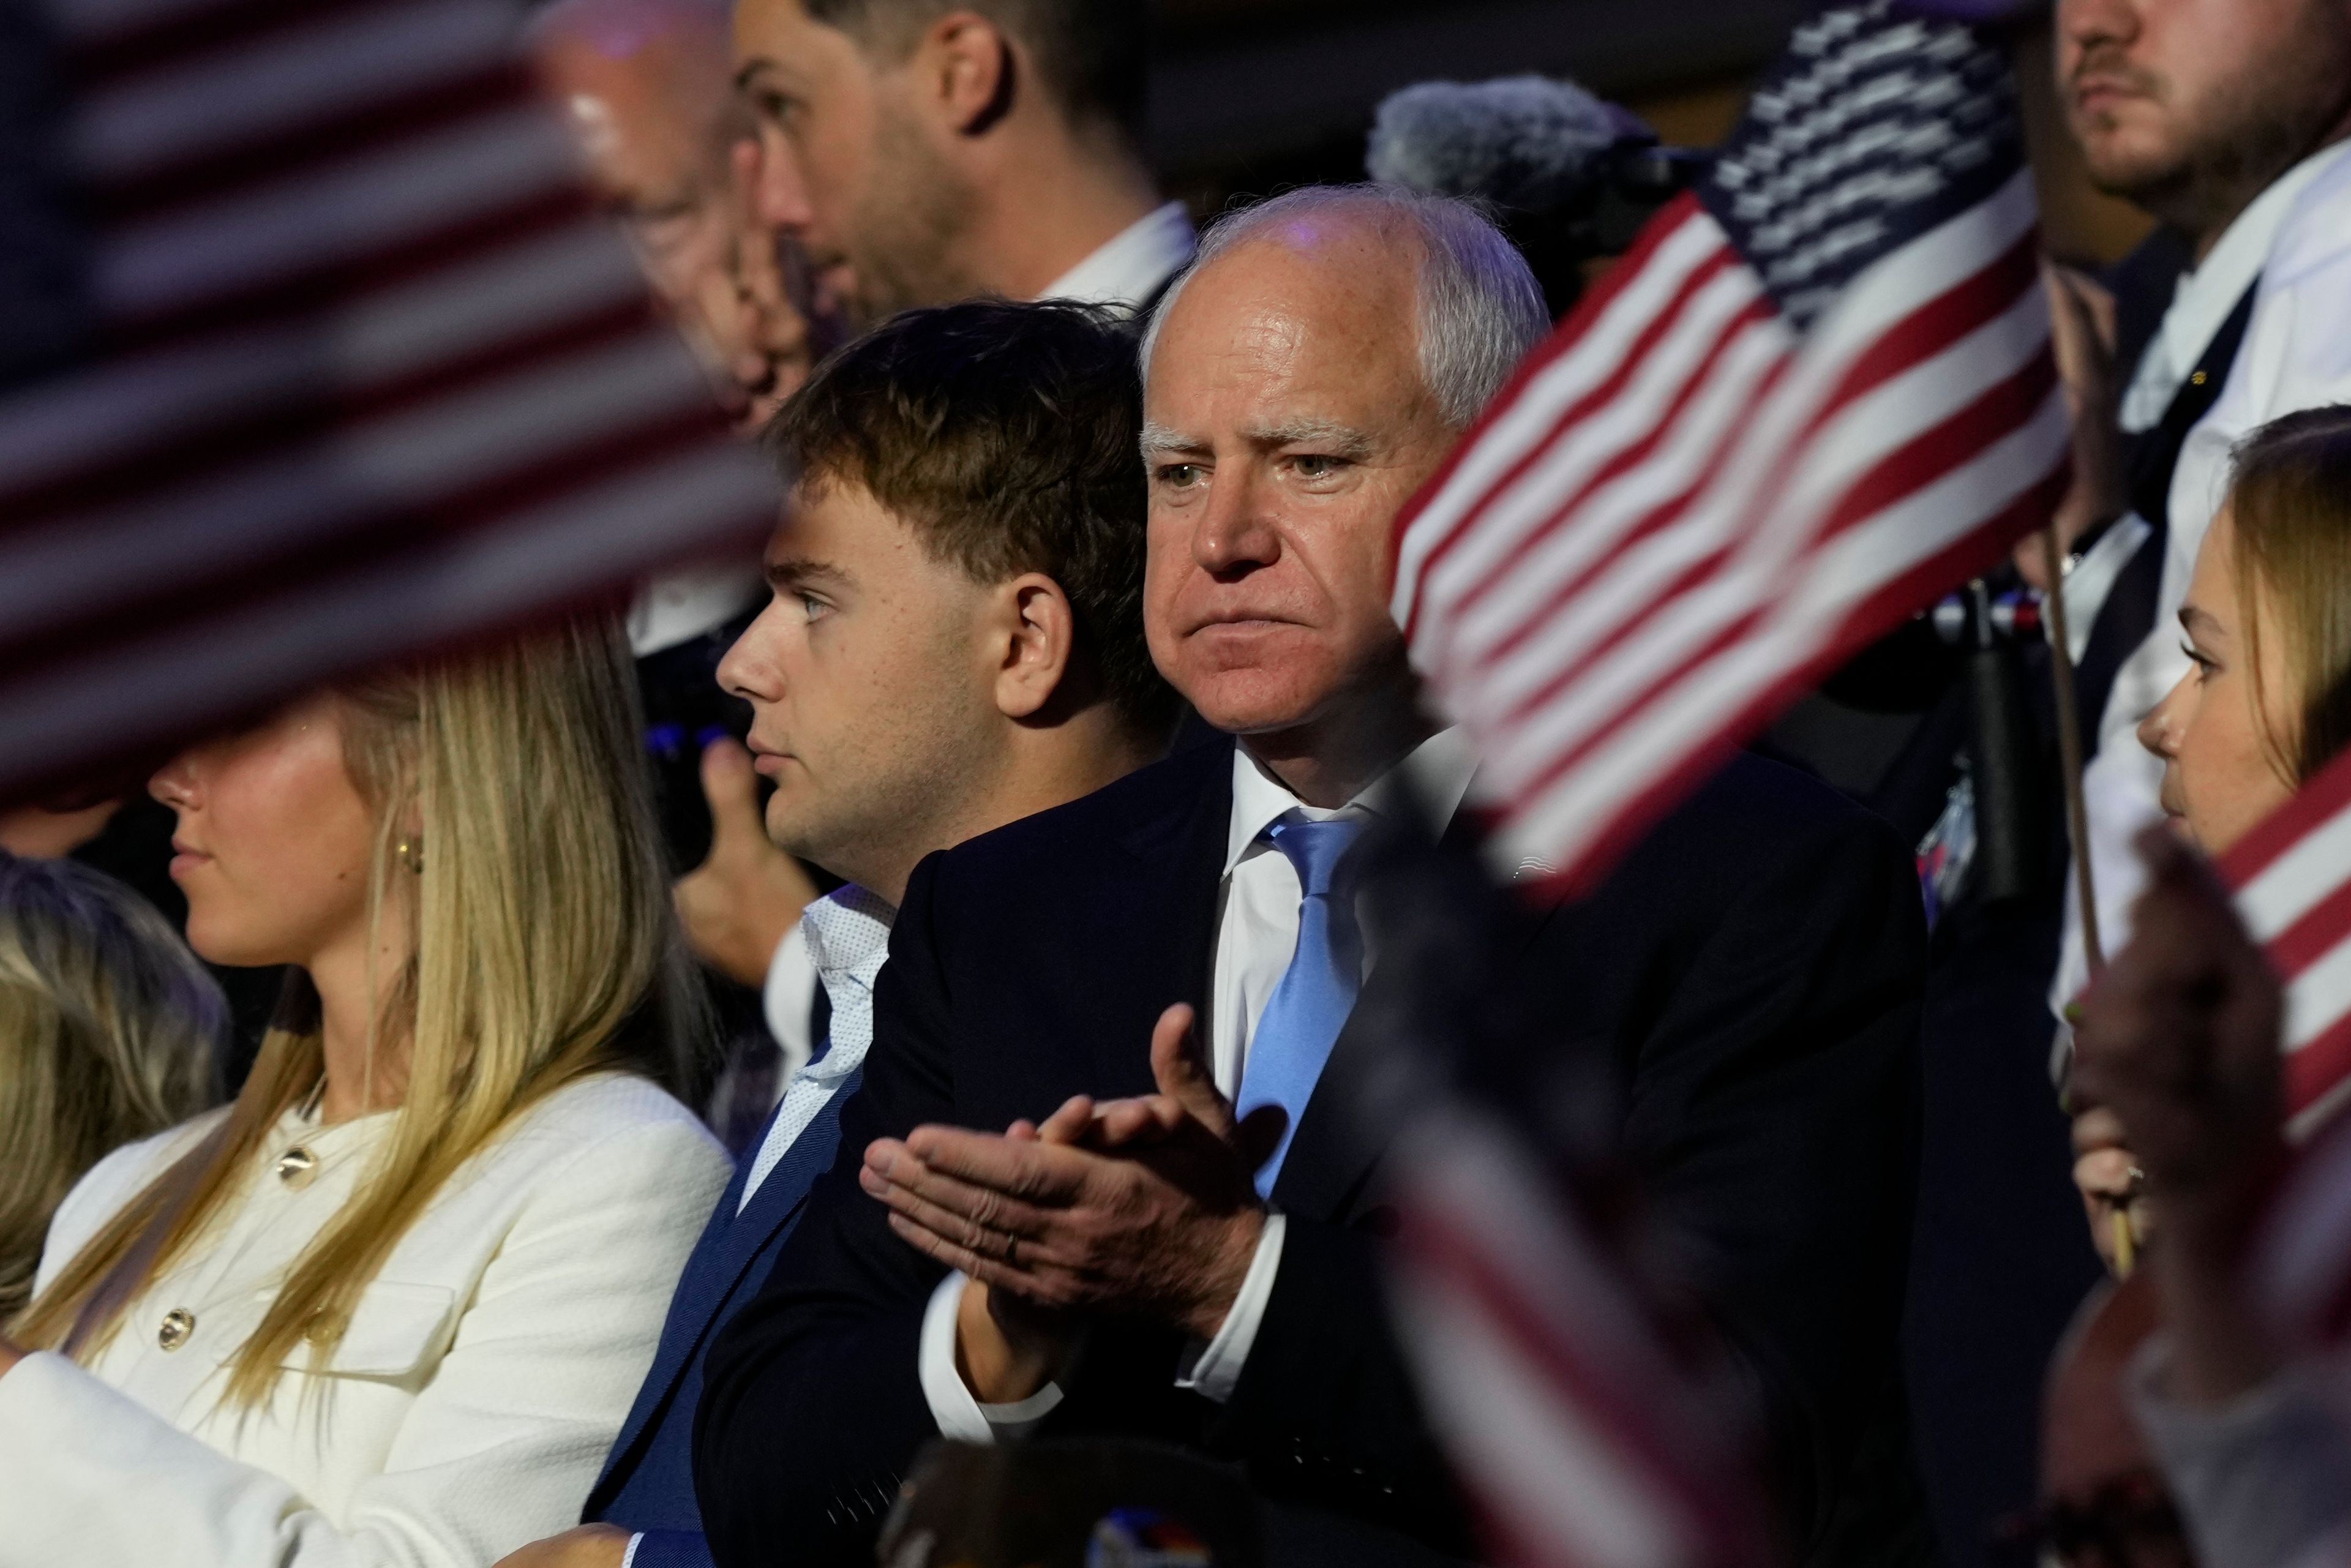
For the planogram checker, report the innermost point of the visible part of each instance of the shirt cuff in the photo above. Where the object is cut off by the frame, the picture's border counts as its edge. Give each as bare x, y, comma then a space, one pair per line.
667, 1549
959, 1414
2260, 1477
1213, 1370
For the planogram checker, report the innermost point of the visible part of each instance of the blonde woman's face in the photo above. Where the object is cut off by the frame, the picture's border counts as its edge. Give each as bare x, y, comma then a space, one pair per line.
2219, 776
273, 840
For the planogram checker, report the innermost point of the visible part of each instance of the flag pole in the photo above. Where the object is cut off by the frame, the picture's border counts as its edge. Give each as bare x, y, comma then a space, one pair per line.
2069, 745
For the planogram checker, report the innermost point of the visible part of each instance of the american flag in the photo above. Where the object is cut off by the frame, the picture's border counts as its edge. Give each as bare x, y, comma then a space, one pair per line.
1590, 1417
367, 375
2302, 1268
2291, 877
2293, 880
1583, 1440
1817, 393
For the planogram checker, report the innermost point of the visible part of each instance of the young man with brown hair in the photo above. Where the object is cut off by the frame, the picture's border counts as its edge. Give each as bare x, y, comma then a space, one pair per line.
955, 642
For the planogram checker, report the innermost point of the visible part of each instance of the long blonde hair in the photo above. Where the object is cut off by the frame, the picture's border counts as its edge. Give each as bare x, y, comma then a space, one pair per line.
110, 1031
2289, 515
543, 948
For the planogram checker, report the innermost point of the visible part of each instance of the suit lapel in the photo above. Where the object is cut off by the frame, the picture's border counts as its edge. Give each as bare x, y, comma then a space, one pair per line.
730, 1244
1186, 847
700, 1290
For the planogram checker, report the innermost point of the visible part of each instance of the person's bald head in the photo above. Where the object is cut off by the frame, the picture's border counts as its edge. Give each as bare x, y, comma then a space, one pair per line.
1301, 381
646, 86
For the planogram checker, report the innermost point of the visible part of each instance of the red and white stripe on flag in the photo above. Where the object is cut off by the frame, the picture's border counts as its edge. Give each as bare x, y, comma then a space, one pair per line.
2293, 880
2291, 875
1684, 510
373, 376
1582, 1440
2302, 1268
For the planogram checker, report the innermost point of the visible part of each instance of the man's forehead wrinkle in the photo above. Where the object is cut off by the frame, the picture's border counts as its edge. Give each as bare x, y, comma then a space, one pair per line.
1272, 331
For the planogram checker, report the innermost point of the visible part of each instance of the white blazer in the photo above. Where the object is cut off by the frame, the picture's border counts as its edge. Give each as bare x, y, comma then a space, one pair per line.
467, 1411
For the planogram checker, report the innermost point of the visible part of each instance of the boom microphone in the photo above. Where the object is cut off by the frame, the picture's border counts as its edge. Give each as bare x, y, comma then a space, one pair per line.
1570, 177
1528, 143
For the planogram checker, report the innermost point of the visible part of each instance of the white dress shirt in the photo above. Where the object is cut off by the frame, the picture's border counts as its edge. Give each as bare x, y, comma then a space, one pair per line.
1257, 935
785, 1000
484, 1372
845, 938
685, 604
1129, 267
2296, 354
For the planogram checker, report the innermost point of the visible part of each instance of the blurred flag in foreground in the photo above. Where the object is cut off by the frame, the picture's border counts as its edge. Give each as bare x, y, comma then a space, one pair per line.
1584, 1441
372, 375
2293, 878
1592, 1420
1817, 393
2302, 1268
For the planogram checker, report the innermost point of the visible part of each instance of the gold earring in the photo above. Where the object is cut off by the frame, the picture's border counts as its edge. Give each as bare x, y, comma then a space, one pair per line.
411, 855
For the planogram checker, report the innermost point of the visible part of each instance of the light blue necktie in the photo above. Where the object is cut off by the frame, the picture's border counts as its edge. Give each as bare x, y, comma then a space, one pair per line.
1310, 1006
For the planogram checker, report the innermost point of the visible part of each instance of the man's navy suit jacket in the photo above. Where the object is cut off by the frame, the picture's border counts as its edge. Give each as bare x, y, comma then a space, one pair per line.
648, 1479
1750, 974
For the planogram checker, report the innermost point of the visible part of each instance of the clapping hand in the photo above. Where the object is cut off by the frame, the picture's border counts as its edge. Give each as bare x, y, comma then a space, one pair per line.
1142, 1207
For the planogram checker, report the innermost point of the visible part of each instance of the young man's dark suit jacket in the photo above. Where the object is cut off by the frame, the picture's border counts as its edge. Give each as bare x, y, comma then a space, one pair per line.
1753, 972
648, 1480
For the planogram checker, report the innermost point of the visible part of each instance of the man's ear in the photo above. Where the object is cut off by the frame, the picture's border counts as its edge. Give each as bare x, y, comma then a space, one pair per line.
965, 62
1038, 633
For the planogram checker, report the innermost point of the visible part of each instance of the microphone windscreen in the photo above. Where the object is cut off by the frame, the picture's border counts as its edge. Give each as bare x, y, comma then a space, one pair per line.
1526, 142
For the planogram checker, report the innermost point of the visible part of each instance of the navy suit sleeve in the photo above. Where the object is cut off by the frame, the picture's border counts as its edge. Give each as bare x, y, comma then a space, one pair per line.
672, 1549
1325, 1410
813, 1404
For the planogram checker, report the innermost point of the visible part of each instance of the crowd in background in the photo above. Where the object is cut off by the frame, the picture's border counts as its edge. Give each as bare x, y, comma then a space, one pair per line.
851, 1053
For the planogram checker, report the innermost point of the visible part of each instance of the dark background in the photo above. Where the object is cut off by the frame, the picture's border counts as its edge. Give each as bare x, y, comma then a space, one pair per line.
1249, 97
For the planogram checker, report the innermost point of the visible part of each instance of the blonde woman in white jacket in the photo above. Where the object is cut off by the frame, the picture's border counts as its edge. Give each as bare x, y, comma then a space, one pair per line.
390, 1306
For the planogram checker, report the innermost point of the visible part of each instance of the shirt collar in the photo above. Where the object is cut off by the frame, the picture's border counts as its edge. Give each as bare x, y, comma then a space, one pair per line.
684, 604
2202, 301
1129, 267
848, 933
1439, 768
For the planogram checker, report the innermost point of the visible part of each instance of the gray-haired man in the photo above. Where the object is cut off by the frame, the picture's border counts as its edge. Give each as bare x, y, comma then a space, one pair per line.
1201, 1265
